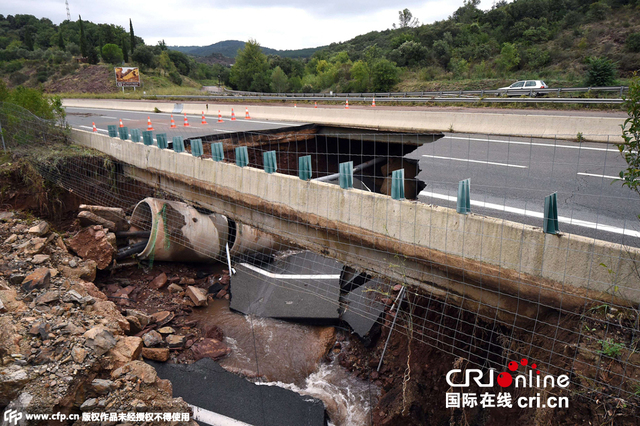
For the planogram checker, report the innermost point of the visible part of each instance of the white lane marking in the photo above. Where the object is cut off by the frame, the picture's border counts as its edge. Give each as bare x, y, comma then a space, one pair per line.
91, 128
290, 277
475, 161
539, 215
533, 144
112, 118
169, 114
599, 176
214, 419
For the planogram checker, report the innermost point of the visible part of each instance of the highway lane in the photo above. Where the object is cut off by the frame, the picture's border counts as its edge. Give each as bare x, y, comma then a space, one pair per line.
511, 176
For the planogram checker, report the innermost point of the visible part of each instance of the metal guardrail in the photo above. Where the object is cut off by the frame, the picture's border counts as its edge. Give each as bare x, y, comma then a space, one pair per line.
463, 96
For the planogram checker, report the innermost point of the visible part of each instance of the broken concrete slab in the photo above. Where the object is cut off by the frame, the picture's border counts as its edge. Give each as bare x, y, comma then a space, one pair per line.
361, 310
207, 385
197, 295
299, 286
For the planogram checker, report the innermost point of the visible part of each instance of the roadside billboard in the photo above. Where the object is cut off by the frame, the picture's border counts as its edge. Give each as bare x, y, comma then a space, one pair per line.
127, 77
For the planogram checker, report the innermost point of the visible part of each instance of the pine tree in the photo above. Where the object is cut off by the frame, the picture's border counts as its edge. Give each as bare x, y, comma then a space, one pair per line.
83, 42
132, 42
60, 40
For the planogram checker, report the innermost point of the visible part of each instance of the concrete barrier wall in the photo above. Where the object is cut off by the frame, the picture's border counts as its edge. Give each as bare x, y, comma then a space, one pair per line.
562, 126
565, 264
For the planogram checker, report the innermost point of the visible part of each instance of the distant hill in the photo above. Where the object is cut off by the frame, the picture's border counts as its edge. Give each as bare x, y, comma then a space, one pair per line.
229, 48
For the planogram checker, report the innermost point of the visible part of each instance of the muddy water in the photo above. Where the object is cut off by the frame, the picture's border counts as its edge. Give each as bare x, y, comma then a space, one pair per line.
289, 355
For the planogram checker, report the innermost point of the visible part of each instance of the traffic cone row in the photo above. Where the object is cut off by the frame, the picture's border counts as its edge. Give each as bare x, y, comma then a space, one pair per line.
94, 126
246, 114
149, 126
173, 123
186, 122
204, 121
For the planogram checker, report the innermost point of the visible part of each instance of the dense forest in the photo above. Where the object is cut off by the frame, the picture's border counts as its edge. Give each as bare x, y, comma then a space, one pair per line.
569, 42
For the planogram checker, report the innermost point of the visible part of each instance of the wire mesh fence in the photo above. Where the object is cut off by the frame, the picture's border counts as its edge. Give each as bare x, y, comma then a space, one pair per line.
488, 285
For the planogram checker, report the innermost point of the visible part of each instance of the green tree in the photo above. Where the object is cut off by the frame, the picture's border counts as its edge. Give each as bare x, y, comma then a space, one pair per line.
132, 37
406, 19
508, 58
384, 75
600, 72
143, 56
112, 54
61, 45
28, 38
251, 64
630, 149
279, 81
84, 48
125, 50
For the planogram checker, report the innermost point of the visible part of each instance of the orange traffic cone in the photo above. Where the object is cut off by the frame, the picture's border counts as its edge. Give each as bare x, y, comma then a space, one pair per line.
246, 114
347, 105
121, 125
295, 105
233, 115
220, 117
315, 105
173, 123
186, 122
204, 121
94, 126
149, 126
374, 102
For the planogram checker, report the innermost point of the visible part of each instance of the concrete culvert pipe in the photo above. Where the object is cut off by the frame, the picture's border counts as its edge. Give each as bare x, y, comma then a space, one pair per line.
192, 236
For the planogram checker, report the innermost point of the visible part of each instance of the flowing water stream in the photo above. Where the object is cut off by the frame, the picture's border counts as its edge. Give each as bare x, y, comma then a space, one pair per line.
279, 353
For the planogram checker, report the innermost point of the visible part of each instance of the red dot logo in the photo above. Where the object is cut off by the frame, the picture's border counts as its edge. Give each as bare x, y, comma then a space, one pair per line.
524, 361
513, 366
504, 379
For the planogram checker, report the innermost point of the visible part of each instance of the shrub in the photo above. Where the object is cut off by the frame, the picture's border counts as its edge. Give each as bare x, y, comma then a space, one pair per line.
600, 72
633, 42
112, 54
175, 78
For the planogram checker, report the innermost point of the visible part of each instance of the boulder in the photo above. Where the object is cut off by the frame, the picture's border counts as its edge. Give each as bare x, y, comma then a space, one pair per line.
78, 353
126, 349
10, 303
210, 348
12, 380
40, 278
136, 370
92, 243
103, 387
156, 354
110, 311
100, 340
152, 338
86, 272
40, 229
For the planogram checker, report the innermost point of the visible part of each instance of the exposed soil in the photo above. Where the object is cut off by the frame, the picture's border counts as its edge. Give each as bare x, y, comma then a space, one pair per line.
87, 79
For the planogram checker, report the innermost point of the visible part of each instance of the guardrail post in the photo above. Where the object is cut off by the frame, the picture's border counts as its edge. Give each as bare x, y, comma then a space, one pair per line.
161, 139
464, 197
242, 156
346, 175
304, 167
196, 147
550, 225
217, 151
147, 137
113, 130
124, 133
397, 184
135, 135
269, 161
178, 144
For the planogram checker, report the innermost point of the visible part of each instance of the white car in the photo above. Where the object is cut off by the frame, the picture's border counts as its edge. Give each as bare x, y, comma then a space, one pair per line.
523, 87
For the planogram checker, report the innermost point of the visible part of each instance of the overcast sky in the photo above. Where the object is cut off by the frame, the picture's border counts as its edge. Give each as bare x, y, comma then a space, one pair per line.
279, 24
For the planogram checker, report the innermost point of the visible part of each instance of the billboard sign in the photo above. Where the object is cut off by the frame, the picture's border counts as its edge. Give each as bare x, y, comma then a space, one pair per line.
127, 77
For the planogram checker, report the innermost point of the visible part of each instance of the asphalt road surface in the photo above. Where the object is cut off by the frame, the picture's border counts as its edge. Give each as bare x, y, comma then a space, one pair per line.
510, 176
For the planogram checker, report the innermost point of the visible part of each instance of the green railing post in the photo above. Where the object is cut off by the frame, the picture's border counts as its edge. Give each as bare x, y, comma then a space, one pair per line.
161, 139
397, 184
147, 137
464, 197
217, 151
346, 175
304, 167
242, 156
550, 225
178, 144
269, 160
196, 147
135, 135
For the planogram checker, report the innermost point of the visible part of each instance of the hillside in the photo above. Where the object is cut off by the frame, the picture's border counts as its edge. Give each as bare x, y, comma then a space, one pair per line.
229, 48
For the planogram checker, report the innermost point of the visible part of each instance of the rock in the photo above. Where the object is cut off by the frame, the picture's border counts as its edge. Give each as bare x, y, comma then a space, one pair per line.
100, 340
48, 297
175, 341
73, 263
12, 380
16, 278
6, 216
103, 387
175, 288
197, 295
221, 294
89, 219
210, 348
35, 246
136, 370
152, 338
144, 319
11, 304
214, 332
159, 281
215, 288
92, 243
12, 239
78, 354
156, 354
73, 329
162, 317
86, 272
187, 281
111, 214
73, 296
40, 278
166, 330
127, 349
134, 325
40, 229
89, 404
108, 310
92, 290
9, 337
2, 308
